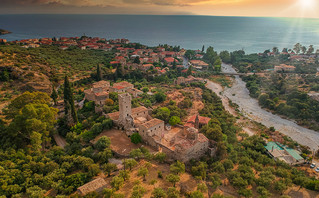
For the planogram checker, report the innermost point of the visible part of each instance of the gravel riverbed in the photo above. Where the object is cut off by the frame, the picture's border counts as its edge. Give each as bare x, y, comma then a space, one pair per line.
249, 106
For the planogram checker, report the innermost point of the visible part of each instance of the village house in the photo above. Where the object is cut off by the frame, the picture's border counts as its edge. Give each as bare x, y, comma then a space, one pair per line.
197, 121
121, 87
283, 153
199, 56
199, 64
64, 47
181, 143
170, 60
133, 66
121, 59
170, 54
134, 92
160, 49
182, 52
98, 93
285, 68
146, 67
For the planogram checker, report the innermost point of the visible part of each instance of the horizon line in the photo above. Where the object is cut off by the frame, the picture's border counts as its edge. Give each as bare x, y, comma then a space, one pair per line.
194, 15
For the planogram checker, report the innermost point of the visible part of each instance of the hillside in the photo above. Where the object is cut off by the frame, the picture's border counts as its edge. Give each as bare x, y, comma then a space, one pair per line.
37, 69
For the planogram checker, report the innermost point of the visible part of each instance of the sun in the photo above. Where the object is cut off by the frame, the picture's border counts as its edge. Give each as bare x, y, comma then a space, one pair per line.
307, 3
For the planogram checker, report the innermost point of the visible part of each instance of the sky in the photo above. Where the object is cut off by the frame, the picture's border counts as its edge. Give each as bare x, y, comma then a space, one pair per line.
264, 8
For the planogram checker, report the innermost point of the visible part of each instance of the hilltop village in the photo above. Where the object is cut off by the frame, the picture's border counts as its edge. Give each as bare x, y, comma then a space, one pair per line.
91, 117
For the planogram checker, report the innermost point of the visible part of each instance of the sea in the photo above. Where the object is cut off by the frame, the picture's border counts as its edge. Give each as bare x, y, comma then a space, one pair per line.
252, 34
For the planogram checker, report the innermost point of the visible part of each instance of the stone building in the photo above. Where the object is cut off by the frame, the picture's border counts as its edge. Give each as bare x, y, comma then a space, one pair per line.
134, 92
199, 64
127, 118
98, 93
121, 87
182, 143
197, 121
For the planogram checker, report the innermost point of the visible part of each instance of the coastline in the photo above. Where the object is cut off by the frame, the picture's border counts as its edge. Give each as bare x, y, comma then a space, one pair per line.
4, 32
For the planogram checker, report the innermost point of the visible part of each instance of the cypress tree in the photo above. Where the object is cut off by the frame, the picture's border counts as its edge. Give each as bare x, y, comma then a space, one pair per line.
189, 71
137, 60
69, 106
54, 95
203, 48
119, 73
98, 73
174, 64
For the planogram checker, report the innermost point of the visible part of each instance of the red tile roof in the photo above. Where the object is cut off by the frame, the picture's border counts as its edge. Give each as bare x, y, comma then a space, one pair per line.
118, 87
202, 119
170, 60
114, 62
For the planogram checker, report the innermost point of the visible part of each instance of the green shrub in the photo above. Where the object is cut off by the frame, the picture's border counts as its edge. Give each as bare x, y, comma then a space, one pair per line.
136, 138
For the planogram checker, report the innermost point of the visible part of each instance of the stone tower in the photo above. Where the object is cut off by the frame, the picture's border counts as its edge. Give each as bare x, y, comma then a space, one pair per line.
125, 106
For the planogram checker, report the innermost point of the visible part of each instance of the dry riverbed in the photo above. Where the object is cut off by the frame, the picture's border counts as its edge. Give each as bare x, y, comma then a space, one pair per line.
250, 108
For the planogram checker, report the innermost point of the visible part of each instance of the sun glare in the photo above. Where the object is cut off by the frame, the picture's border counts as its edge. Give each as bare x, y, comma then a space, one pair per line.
307, 3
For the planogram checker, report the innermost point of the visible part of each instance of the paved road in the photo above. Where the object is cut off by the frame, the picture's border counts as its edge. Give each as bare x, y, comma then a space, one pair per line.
239, 94
185, 62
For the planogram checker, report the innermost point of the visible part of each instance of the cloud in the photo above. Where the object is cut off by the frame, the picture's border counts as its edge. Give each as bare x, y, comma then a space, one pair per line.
103, 3
73, 3
166, 2
180, 2
24, 2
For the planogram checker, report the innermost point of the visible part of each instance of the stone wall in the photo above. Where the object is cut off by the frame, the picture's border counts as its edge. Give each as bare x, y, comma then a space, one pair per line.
156, 130
196, 151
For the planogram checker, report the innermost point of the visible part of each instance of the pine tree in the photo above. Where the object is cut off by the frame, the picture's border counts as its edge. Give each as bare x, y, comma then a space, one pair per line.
98, 73
54, 95
69, 107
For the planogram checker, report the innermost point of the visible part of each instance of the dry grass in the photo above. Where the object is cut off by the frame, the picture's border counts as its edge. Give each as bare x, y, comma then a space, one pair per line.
120, 143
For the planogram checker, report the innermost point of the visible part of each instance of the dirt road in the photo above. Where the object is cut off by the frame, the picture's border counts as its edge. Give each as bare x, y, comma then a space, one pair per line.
59, 140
